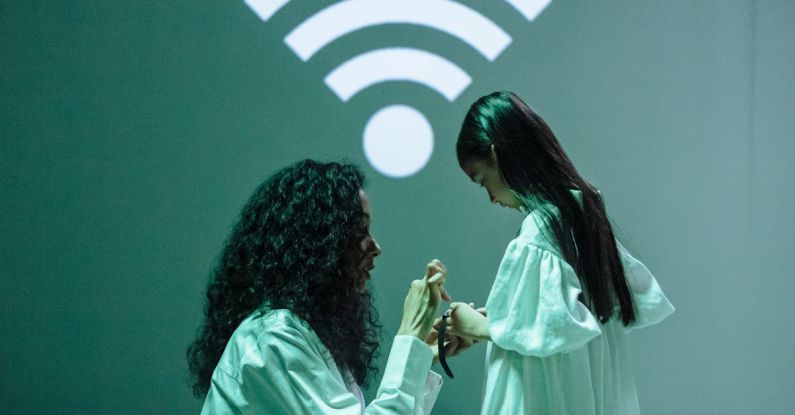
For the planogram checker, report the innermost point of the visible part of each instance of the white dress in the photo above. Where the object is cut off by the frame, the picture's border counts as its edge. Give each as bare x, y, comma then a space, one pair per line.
548, 354
275, 364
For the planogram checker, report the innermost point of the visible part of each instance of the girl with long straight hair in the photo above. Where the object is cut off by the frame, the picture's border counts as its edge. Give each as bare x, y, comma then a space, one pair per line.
566, 290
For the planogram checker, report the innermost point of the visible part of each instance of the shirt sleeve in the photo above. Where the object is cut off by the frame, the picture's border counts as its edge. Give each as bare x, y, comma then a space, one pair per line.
533, 307
427, 396
408, 385
651, 304
289, 375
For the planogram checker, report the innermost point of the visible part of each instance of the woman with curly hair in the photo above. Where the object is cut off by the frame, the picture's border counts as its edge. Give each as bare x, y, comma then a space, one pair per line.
566, 290
290, 327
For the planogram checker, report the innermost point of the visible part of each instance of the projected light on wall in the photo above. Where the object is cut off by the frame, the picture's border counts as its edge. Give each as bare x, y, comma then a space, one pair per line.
398, 139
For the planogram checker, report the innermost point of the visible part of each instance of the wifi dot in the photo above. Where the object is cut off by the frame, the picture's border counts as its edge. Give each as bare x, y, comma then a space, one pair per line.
398, 141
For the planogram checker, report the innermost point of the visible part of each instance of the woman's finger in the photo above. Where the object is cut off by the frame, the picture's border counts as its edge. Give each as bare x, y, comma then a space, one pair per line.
437, 323
434, 268
440, 277
445, 295
433, 336
435, 295
437, 278
444, 268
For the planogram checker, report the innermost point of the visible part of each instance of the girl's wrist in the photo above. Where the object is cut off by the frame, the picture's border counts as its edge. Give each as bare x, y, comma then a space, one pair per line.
483, 330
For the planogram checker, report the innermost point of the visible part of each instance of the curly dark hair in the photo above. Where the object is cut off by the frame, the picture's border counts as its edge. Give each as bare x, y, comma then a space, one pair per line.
294, 248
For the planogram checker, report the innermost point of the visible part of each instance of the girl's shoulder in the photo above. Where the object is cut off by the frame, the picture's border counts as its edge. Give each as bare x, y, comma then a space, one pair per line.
535, 231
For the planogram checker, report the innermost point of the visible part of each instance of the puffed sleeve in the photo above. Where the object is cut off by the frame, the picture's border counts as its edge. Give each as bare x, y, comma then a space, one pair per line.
651, 305
289, 374
533, 307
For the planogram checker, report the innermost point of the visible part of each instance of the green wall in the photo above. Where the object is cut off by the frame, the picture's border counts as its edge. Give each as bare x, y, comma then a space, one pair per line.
132, 133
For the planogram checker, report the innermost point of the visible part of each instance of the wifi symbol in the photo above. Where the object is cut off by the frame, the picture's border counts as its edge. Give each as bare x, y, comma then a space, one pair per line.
398, 139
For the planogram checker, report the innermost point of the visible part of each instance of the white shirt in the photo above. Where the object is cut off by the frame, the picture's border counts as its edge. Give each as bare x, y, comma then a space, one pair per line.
548, 354
274, 363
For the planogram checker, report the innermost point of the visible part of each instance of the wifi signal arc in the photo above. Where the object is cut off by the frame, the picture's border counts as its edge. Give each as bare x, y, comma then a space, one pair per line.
265, 9
349, 16
398, 64
397, 139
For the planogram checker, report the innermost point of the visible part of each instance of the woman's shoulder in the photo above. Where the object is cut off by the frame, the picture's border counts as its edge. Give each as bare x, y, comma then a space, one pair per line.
266, 330
266, 320
268, 340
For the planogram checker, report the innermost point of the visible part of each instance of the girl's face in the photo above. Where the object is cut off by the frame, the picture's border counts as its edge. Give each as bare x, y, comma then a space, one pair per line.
486, 173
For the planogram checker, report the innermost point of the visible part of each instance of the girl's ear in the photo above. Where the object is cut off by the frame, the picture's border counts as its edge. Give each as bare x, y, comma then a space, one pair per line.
493, 156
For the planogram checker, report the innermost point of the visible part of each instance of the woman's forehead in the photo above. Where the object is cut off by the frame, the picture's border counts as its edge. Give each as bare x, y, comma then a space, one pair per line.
365, 202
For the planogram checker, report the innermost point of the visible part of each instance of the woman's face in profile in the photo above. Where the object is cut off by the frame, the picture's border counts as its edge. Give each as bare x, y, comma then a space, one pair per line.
367, 248
486, 173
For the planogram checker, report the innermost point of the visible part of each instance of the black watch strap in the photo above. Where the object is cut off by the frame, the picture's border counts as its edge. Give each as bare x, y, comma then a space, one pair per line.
440, 345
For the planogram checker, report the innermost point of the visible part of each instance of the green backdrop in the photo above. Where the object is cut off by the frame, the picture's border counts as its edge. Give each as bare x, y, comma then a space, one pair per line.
133, 131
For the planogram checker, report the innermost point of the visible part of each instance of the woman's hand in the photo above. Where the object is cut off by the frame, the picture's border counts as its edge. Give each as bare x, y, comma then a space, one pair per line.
422, 301
465, 321
436, 267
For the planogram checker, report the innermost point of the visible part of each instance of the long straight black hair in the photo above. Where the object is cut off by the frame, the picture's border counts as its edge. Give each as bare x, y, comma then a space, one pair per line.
534, 166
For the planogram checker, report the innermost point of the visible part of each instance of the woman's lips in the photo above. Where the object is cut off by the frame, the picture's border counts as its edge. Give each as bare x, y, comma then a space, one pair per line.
366, 271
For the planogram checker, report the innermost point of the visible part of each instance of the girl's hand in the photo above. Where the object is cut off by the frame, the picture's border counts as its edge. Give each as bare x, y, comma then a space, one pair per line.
454, 344
466, 321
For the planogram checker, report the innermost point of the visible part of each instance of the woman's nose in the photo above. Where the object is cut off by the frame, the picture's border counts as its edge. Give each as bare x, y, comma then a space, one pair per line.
370, 246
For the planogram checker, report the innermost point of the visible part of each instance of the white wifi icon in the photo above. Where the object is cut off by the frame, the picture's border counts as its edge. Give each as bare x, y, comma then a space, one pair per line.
398, 139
